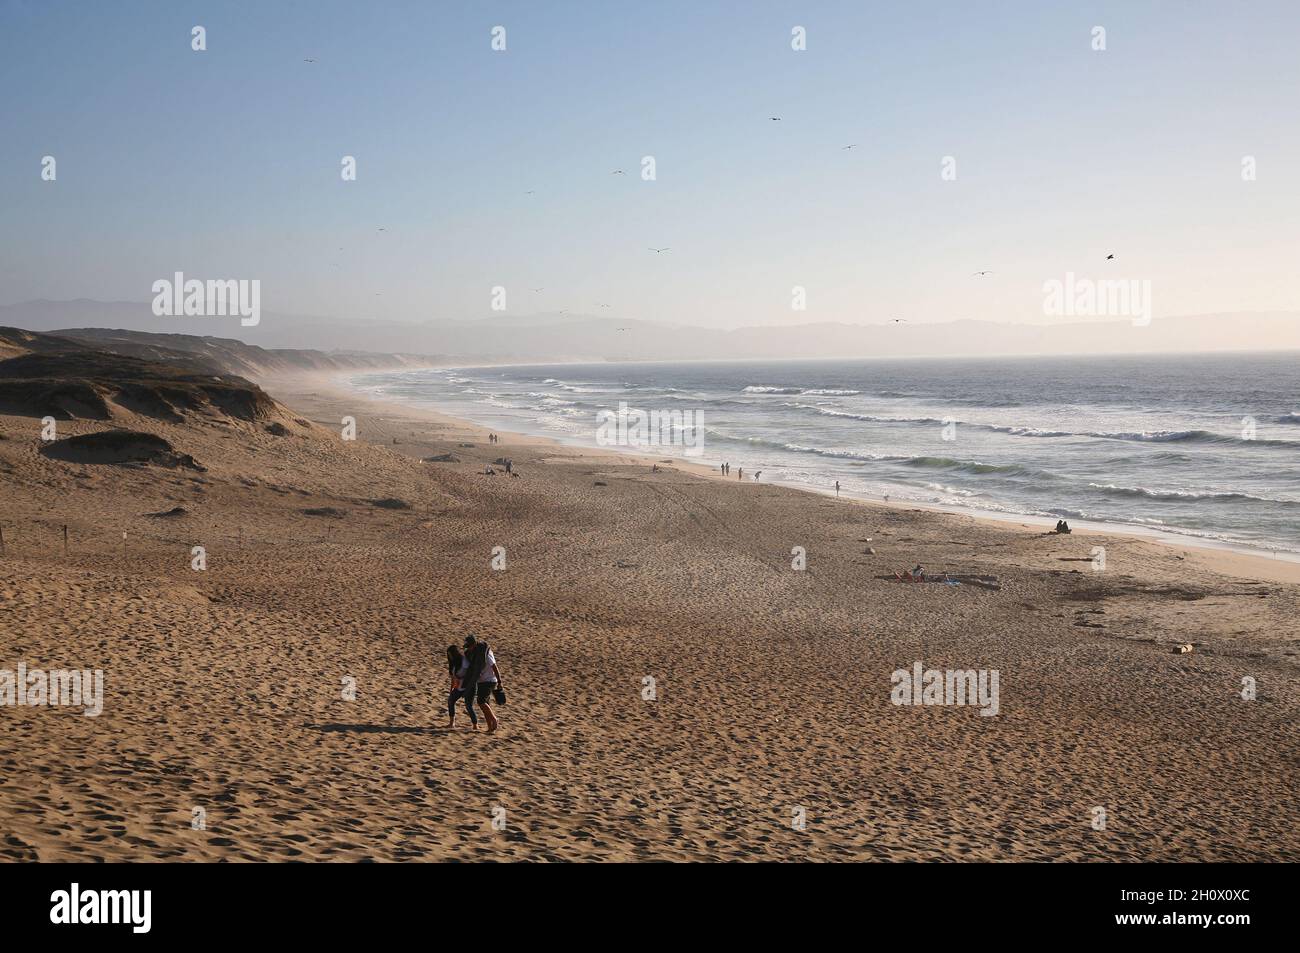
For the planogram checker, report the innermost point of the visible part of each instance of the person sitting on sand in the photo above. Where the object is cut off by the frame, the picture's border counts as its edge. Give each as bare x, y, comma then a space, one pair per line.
918, 573
458, 667
483, 675
1062, 526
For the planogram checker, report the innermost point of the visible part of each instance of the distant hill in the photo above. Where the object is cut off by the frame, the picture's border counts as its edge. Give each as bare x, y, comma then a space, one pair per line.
228, 356
276, 343
125, 327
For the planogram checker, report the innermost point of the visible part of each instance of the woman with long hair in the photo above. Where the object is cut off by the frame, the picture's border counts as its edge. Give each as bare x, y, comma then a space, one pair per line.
458, 669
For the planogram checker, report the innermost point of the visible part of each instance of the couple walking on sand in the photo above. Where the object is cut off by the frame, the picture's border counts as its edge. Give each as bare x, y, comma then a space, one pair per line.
474, 676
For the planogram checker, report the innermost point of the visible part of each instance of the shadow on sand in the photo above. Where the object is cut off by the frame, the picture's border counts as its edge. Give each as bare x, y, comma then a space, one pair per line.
382, 729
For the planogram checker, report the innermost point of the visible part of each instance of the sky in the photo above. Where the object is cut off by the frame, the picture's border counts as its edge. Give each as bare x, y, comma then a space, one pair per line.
225, 163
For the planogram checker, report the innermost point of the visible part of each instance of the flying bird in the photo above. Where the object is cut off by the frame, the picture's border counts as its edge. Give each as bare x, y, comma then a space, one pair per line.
1109, 257
382, 229
530, 192
539, 289
309, 60
849, 146
617, 172
898, 320
980, 274
658, 251
774, 118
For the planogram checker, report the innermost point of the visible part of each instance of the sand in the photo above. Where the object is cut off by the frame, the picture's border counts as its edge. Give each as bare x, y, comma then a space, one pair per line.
224, 688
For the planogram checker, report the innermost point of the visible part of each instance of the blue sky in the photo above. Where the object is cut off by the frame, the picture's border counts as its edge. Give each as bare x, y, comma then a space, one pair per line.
225, 163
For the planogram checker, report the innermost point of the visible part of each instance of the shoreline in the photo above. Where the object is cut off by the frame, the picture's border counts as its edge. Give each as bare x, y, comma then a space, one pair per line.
1225, 558
337, 562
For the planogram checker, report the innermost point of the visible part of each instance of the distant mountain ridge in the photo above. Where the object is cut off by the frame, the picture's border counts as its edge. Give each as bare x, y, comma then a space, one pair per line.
229, 356
277, 343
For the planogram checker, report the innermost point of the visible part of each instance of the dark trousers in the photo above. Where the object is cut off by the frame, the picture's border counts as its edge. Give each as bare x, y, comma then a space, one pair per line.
456, 695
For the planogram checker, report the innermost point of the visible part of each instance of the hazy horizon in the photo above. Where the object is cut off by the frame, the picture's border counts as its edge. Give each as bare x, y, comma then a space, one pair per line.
532, 338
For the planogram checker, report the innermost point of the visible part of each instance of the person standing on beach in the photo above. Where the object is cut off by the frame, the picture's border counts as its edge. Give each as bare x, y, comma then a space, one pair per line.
481, 678
458, 667
740, 474
837, 487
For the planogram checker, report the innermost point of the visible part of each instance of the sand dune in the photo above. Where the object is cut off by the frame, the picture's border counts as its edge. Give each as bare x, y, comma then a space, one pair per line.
224, 687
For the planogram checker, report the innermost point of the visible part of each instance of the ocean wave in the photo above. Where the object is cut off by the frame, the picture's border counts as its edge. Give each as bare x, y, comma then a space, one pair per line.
1190, 436
950, 490
838, 453
881, 419
869, 418
809, 391
972, 466
1152, 494
588, 389
937, 398
1140, 436
1024, 431
705, 399
1148, 458
545, 396
1155, 436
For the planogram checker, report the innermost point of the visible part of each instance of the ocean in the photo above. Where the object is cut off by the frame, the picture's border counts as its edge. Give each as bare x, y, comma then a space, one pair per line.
1201, 446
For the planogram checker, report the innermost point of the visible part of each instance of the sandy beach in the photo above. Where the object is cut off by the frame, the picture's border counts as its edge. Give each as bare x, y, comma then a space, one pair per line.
677, 690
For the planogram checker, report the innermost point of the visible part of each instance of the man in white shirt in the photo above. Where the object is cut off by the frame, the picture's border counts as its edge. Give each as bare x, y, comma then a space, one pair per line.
483, 671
